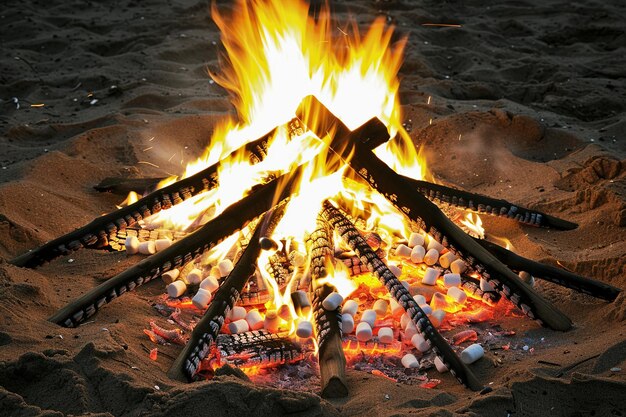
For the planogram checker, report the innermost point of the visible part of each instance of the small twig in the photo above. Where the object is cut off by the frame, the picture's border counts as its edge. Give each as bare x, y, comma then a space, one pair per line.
548, 363
574, 365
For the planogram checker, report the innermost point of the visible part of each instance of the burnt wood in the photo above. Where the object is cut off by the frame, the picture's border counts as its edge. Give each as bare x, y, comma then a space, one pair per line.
424, 214
358, 244
123, 186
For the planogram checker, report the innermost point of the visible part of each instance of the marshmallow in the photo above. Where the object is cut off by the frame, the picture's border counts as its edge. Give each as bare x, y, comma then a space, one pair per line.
350, 307
446, 259
436, 317
457, 294
410, 361
419, 299
347, 323
472, 353
369, 317
215, 273
430, 276
363, 332
147, 248
385, 335
332, 301
406, 284
441, 367
431, 257
301, 302
417, 254
305, 329
225, 266
132, 245
201, 299
284, 312
271, 321
451, 280
416, 239
381, 307
176, 289
254, 319
403, 251
297, 258
395, 270
396, 309
426, 309
409, 332
404, 320
458, 266
433, 244
420, 343
486, 286
237, 313
170, 276
527, 278
239, 326
161, 244
194, 277
209, 283
439, 301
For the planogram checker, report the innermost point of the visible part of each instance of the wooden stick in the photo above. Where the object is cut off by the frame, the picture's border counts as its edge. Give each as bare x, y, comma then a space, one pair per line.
123, 186
551, 273
357, 243
186, 365
331, 358
95, 234
425, 215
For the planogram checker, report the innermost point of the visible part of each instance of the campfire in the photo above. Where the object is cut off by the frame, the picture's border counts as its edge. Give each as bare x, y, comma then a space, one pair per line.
308, 231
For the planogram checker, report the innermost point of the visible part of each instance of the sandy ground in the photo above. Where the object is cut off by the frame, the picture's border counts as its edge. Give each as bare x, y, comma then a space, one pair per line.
535, 89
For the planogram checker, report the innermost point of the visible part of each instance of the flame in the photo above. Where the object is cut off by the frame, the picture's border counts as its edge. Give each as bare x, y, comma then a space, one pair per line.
474, 224
131, 198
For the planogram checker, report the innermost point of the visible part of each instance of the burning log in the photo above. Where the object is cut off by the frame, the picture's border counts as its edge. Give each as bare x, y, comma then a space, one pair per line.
123, 186
328, 326
232, 219
96, 233
487, 205
187, 364
426, 216
351, 235
551, 273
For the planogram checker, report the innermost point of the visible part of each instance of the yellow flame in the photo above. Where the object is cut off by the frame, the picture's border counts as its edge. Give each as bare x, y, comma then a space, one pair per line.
474, 224
131, 198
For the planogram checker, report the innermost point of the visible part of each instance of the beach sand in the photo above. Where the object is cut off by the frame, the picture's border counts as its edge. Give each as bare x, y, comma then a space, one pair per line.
526, 104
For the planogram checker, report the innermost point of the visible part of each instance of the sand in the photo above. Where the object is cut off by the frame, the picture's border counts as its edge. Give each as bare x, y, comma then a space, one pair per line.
527, 104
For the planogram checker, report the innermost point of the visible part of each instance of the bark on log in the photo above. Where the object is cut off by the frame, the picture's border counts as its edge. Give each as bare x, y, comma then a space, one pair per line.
352, 237
425, 215
123, 186
331, 358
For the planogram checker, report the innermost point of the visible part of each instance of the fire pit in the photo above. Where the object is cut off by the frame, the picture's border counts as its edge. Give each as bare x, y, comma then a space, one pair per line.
308, 230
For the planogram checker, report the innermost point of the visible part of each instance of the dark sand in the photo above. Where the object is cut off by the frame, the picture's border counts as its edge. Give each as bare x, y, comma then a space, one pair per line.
535, 89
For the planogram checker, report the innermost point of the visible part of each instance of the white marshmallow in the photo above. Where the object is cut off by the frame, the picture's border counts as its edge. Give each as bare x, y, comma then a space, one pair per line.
472, 353
170, 276
451, 280
404, 320
486, 285
395, 270
271, 321
416, 239
441, 367
194, 277
410, 361
350, 307
409, 332
347, 323
396, 309
436, 317
225, 266
406, 284
381, 307
420, 343
433, 244
132, 245
446, 259
215, 273
239, 326
417, 254
305, 329
430, 276
385, 335
369, 317
363, 332
161, 244
403, 251
426, 309
527, 278
431, 257
176, 289
147, 248
332, 301
237, 313
209, 283
284, 312
254, 319
201, 299
458, 266
457, 294
419, 299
